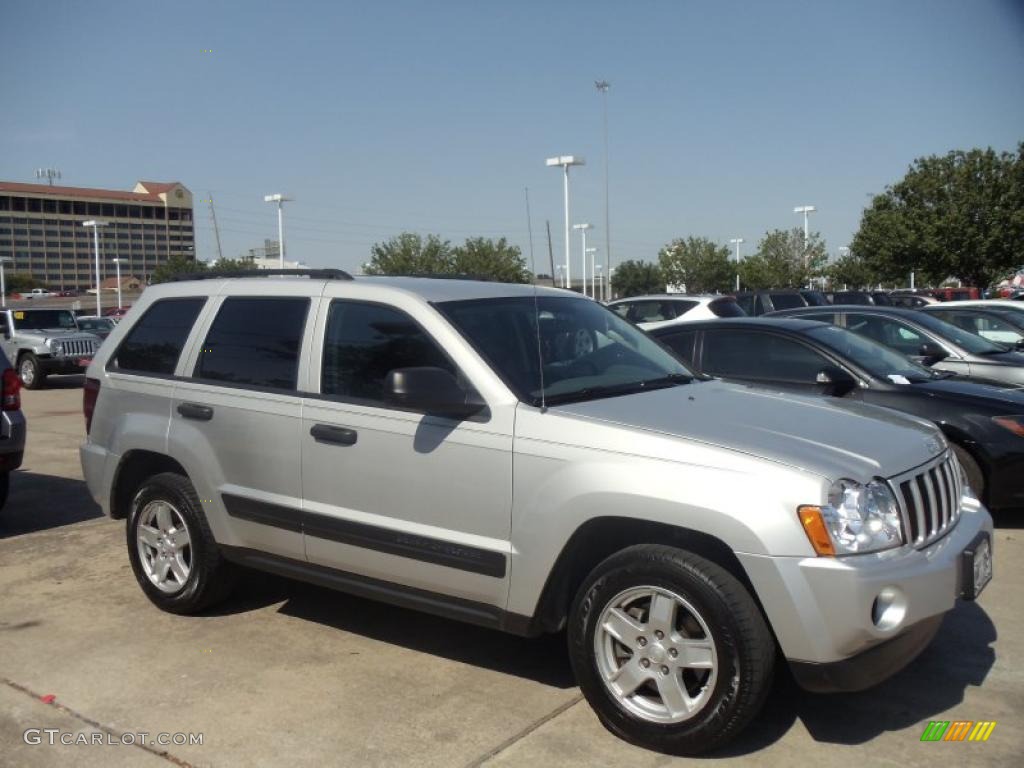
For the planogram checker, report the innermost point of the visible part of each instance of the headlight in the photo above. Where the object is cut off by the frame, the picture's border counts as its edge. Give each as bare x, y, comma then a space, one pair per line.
857, 519
57, 347
1014, 424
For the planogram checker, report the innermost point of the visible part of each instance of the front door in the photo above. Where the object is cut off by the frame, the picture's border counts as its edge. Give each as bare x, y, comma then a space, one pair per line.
393, 495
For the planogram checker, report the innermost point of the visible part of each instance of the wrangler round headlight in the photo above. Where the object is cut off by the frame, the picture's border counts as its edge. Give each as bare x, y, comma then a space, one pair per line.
57, 347
857, 518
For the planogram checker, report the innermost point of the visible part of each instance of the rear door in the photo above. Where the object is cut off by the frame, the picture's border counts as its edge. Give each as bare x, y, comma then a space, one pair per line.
237, 414
395, 495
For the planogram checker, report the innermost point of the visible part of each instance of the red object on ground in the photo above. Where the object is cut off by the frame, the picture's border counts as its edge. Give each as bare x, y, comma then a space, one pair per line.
48, 698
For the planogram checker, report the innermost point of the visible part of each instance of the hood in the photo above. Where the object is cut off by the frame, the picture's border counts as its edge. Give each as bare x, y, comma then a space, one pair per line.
828, 436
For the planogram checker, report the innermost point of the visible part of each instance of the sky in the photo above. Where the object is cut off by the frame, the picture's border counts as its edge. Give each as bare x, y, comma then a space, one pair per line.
436, 117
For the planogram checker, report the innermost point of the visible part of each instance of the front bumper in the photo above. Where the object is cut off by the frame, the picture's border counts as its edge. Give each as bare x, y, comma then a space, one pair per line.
822, 609
64, 365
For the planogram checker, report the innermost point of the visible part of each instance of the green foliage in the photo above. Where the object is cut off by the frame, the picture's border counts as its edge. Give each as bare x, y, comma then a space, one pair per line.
959, 215
637, 278
851, 271
174, 266
494, 260
18, 282
698, 263
412, 254
783, 260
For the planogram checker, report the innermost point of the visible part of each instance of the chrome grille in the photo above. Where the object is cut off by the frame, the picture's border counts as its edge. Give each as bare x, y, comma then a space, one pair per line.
79, 347
930, 500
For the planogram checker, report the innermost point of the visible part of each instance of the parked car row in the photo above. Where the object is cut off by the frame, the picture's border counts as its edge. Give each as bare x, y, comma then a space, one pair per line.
526, 459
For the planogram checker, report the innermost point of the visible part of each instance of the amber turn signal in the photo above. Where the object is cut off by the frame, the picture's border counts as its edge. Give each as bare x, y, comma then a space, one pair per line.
814, 527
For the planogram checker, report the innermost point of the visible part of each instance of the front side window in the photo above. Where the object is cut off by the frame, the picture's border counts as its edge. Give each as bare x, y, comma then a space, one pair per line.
154, 343
787, 300
681, 343
558, 349
364, 342
891, 333
756, 355
255, 341
987, 326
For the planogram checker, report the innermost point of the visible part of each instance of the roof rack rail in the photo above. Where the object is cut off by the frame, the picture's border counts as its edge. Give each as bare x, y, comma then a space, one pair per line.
321, 274
441, 276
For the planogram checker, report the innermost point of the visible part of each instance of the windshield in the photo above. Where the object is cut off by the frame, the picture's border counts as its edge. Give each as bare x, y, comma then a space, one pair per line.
44, 319
97, 324
976, 345
587, 350
878, 360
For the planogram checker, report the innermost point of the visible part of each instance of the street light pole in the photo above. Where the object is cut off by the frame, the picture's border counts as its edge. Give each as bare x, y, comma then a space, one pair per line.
3, 280
593, 272
117, 265
736, 241
565, 161
583, 252
603, 86
95, 224
806, 210
280, 200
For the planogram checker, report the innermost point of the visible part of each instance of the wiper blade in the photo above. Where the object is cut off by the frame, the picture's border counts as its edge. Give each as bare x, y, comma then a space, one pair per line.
613, 390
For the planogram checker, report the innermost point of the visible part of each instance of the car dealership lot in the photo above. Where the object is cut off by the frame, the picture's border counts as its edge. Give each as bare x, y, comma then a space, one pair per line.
289, 673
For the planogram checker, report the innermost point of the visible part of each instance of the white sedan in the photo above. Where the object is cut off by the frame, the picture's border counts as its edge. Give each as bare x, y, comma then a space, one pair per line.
650, 312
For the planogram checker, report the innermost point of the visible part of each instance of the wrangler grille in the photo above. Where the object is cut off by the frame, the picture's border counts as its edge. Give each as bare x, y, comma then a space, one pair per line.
79, 347
930, 500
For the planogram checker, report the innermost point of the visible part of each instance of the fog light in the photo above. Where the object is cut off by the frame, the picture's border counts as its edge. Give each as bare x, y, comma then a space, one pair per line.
889, 608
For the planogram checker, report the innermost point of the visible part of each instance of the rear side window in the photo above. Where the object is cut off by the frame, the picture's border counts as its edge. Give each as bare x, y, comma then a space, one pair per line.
154, 343
255, 341
365, 342
746, 303
726, 308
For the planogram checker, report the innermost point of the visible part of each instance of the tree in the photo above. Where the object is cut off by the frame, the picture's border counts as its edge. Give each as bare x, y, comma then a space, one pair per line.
176, 265
698, 263
16, 282
784, 260
636, 278
958, 215
851, 271
493, 260
411, 254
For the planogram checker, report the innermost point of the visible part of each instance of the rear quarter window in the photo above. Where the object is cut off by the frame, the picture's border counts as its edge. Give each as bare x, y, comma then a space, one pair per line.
154, 343
726, 308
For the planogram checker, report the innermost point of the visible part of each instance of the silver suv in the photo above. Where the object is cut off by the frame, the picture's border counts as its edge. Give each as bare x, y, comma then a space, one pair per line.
40, 342
525, 459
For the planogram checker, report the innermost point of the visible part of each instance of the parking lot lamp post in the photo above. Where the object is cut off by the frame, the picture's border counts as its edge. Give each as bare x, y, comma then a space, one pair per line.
280, 200
565, 161
117, 265
600, 283
96, 244
593, 272
583, 252
3, 280
737, 241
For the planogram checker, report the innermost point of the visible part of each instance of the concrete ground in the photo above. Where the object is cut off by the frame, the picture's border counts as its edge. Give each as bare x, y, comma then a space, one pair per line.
290, 674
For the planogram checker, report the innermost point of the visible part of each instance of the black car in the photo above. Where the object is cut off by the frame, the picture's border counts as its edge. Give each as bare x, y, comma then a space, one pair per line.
925, 339
869, 298
984, 424
756, 303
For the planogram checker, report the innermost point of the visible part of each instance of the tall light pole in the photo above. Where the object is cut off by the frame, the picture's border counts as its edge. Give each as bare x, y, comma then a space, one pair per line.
565, 161
280, 200
603, 86
583, 251
117, 264
3, 280
600, 283
806, 210
593, 272
96, 243
737, 241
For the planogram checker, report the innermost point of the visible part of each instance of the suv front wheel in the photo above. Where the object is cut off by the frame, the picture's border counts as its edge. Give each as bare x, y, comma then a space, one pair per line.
172, 551
31, 372
670, 649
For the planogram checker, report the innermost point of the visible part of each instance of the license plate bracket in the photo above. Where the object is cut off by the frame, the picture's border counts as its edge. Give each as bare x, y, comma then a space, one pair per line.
976, 566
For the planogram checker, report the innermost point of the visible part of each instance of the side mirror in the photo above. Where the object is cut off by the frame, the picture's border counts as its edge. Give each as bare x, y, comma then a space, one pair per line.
931, 353
431, 390
835, 381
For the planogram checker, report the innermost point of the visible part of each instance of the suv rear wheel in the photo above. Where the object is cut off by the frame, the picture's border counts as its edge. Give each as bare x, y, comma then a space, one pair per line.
670, 649
172, 551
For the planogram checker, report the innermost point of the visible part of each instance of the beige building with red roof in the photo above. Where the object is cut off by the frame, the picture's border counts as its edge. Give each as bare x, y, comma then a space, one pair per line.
41, 230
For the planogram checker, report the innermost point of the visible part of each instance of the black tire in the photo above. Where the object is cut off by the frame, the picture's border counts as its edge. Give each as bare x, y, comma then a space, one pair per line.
31, 372
5, 486
743, 644
210, 577
975, 477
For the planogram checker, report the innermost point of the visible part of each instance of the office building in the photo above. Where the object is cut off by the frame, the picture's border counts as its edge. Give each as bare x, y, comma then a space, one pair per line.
41, 230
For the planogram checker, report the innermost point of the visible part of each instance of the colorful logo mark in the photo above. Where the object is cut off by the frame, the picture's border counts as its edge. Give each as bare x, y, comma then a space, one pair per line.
958, 730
